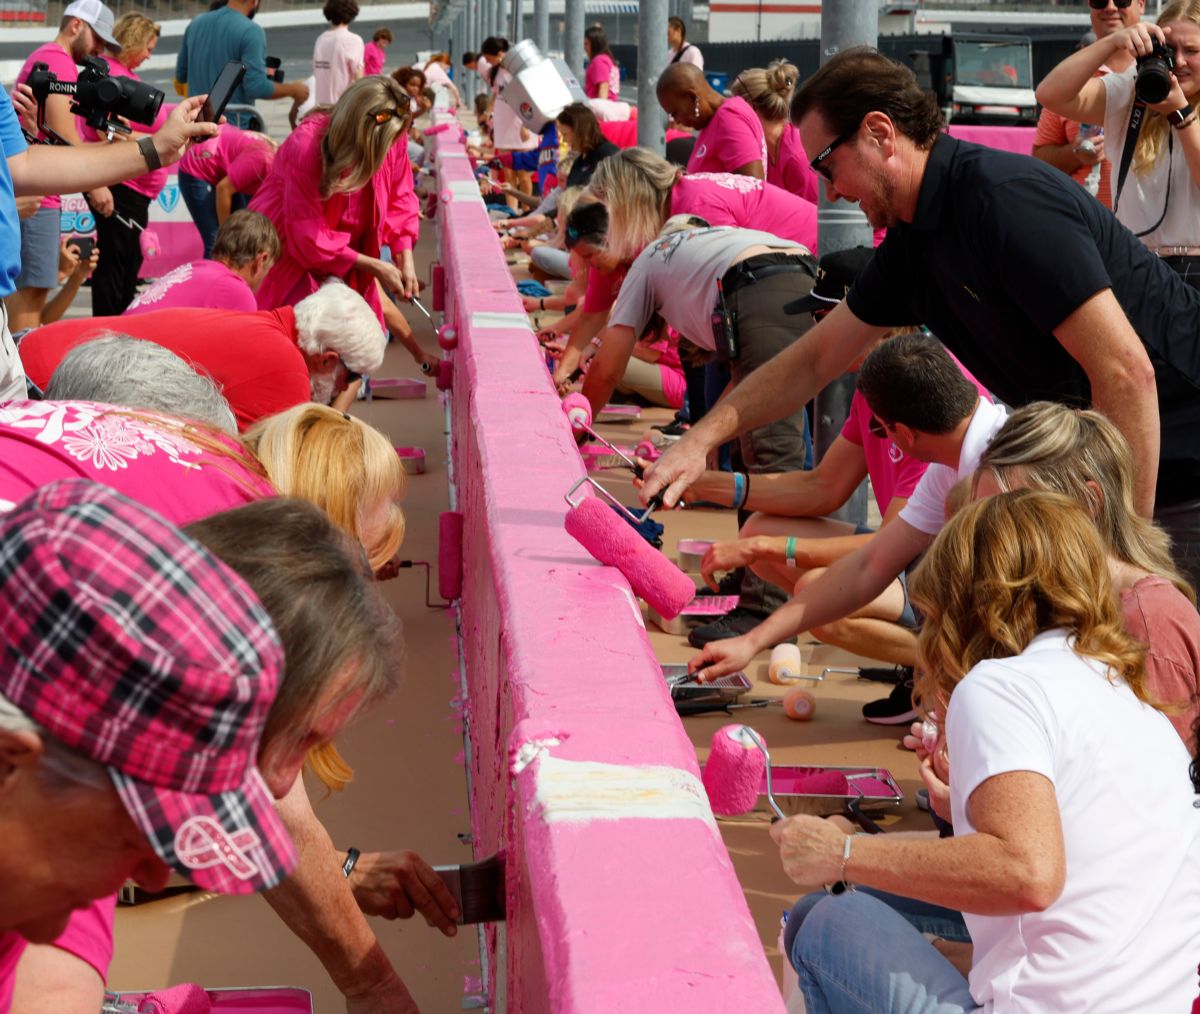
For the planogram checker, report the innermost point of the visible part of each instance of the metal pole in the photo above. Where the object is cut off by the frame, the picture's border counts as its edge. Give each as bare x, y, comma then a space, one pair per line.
844, 23
573, 37
541, 24
686, 13
652, 61
517, 31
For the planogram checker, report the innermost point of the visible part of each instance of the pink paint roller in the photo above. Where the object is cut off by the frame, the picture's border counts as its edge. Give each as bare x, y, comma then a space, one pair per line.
652, 576
736, 765
437, 279
450, 555
445, 375
447, 337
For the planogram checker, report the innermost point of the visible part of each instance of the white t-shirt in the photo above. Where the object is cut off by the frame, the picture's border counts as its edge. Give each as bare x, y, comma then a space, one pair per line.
691, 54
1124, 935
506, 124
337, 57
926, 508
677, 277
1143, 198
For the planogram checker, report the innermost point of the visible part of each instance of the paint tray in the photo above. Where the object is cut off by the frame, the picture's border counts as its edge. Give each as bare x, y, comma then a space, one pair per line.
398, 387
691, 553
255, 1000
725, 688
702, 609
619, 414
870, 789
412, 460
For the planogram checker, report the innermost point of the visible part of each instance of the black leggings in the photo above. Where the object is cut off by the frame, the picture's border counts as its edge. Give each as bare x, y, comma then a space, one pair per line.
114, 281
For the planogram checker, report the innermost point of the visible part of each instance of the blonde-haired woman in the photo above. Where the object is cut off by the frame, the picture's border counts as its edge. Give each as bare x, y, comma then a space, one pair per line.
768, 90
339, 190
1076, 854
1082, 455
346, 467
1160, 199
114, 282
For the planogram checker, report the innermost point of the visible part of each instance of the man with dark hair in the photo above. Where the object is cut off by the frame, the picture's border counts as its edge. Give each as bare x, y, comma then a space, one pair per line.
229, 33
338, 53
1034, 285
920, 399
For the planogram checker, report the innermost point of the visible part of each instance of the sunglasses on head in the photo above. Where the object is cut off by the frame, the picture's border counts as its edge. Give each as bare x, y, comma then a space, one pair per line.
384, 115
1099, 5
818, 164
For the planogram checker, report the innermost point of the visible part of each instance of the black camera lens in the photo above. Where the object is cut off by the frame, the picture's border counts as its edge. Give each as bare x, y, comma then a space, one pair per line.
1153, 83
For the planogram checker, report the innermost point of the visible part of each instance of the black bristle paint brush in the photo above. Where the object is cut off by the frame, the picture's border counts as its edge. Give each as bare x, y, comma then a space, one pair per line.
478, 888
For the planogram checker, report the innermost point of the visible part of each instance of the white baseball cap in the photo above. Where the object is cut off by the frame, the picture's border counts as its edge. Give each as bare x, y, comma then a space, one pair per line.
97, 16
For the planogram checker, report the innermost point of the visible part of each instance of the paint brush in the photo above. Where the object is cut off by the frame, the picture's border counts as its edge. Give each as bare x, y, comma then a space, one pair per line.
478, 888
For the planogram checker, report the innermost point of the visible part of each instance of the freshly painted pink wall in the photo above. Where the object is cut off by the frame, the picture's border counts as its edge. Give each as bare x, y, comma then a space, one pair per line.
635, 914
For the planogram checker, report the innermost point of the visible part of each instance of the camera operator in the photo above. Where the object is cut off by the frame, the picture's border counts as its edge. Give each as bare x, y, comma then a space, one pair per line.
85, 29
1160, 198
43, 169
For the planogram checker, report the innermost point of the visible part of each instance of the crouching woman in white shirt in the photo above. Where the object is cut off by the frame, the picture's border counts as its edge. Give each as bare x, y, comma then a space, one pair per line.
1076, 856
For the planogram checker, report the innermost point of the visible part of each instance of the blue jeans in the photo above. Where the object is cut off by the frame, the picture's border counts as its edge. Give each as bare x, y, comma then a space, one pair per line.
201, 201
855, 954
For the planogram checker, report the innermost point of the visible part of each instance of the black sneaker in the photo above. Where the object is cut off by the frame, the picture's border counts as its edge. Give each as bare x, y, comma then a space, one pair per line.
675, 428
730, 584
896, 709
733, 624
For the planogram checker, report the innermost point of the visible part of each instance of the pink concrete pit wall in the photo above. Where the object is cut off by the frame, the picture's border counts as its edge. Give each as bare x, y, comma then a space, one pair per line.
621, 895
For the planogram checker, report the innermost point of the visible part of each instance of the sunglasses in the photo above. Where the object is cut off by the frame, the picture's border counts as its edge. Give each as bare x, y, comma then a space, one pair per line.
818, 164
877, 428
1099, 5
351, 376
384, 115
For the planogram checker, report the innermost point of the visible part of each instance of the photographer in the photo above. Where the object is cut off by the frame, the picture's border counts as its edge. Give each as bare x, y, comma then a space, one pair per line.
1160, 199
85, 29
42, 169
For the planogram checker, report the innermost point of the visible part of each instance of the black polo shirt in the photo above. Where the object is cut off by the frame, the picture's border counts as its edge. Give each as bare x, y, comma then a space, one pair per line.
1001, 250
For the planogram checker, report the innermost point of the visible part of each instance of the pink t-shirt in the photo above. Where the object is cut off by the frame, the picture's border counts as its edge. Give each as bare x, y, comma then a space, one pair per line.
59, 61
199, 283
12, 946
148, 184
245, 156
1160, 615
130, 450
733, 138
602, 289
748, 203
374, 58
893, 473
602, 70
791, 170
670, 369
337, 57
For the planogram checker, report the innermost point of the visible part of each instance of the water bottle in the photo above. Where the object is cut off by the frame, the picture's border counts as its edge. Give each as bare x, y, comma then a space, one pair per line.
1089, 133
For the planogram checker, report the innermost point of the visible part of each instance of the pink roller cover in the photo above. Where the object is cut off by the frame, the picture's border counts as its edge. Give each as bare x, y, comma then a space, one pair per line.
438, 279
447, 336
578, 410
820, 783
450, 555
734, 772
610, 540
445, 375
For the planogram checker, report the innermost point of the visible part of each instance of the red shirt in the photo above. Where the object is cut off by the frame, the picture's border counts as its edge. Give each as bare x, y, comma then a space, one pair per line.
253, 357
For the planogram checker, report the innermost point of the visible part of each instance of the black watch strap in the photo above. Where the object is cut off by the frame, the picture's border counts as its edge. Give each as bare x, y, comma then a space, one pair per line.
149, 152
1177, 117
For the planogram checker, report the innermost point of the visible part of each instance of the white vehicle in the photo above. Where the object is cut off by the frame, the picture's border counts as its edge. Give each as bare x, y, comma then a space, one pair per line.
983, 79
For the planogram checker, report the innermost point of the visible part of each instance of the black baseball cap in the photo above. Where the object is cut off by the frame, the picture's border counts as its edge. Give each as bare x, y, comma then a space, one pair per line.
836, 272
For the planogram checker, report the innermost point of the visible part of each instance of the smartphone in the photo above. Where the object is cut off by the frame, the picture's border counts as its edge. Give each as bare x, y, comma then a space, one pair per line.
85, 245
222, 91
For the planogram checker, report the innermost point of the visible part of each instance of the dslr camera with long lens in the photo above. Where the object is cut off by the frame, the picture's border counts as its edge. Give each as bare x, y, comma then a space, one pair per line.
98, 97
1153, 83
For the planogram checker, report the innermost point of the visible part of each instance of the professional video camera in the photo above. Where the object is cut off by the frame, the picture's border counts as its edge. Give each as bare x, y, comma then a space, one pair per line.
1153, 82
98, 97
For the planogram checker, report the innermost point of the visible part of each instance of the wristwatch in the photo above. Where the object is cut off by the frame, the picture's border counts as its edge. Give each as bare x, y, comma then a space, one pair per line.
149, 152
1181, 117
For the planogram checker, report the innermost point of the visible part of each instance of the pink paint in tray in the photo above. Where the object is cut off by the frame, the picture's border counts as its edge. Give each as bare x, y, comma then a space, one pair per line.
412, 460
398, 387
